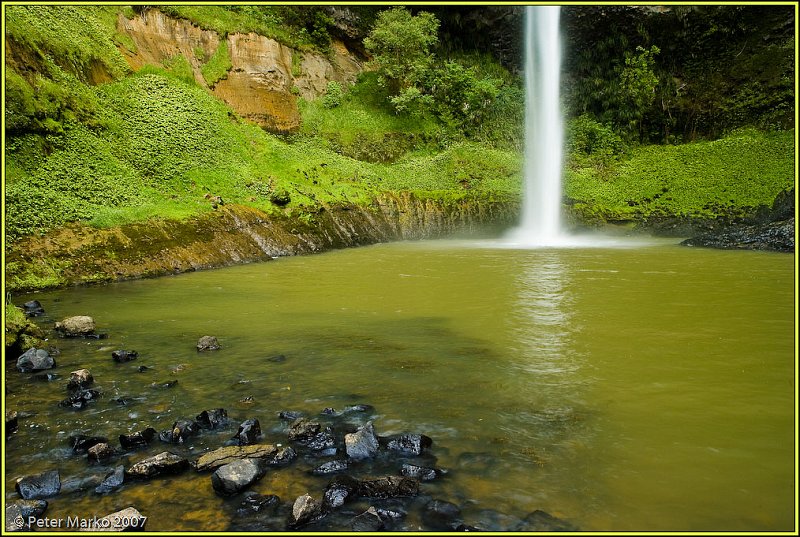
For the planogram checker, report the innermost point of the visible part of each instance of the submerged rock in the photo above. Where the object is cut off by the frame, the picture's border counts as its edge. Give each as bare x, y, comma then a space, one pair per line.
254, 503
211, 419
226, 455
35, 360
248, 432
165, 385
137, 439
290, 415
122, 356
207, 343
80, 325
34, 487
284, 456
82, 378
440, 515
233, 477
80, 399
12, 422
304, 511
543, 521
33, 308
81, 443
388, 487
163, 463
46, 377
19, 512
420, 472
330, 467
112, 481
362, 444
369, 520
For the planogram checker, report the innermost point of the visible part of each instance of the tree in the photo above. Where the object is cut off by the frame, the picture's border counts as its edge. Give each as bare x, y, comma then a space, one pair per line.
638, 85
400, 44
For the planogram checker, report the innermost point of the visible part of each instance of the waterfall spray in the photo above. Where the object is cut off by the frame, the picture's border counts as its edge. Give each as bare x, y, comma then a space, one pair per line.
544, 131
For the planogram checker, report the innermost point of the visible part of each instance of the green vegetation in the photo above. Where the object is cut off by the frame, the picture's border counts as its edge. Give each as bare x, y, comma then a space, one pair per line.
116, 147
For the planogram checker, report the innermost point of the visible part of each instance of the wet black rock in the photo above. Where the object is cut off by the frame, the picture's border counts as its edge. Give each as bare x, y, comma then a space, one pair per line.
82, 378
255, 503
284, 457
142, 368
388, 487
100, 452
329, 411
18, 513
122, 401
290, 415
362, 444
46, 377
310, 434
466, 527
391, 514
161, 464
180, 431
440, 515
277, 358
128, 519
421, 473
340, 489
369, 520
236, 476
543, 521
330, 467
122, 356
35, 360
34, 487
80, 399
302, 430
304, 511
81, 443
33, 308
323, 444
137, 439
409, 444
207, 343
213, 418
248, 432
112, 481
775, 236
12, 422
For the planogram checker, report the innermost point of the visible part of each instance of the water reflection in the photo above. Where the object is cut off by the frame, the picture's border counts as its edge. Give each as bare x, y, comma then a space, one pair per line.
543, 316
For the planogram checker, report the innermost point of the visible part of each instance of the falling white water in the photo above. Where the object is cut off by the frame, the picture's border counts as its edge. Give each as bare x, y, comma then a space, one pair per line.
544, 131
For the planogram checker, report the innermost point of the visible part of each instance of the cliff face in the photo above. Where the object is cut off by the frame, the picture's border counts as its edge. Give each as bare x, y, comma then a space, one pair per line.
266, 77
236, 234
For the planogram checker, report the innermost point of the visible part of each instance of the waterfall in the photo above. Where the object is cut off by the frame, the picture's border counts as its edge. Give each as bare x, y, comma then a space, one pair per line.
544, 131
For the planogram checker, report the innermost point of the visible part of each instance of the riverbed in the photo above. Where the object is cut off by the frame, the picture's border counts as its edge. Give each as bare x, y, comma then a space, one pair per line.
642, 386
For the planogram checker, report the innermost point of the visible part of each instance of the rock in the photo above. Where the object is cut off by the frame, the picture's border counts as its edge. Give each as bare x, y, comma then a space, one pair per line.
284, 456
81, 378
440, 515
392, 515
330, 467
34, 487
369, 520
180, 431
466, 527
302, 430
776, 236
211, 419
388, 487
18, 513
207, 343
122, 356
305, 510
35, 360
226, 455
248, 432
254, 503
163, 463
112, 481
420, 472
339, 490
411, 444
362, 444
290, 415
12, 422
82, 443
137, 439
100, 452
81, 325
80, 399
165, 385
128, 519
279, 358
236, 476
323, 444
46, 377
542, 521
33, 308
142, 368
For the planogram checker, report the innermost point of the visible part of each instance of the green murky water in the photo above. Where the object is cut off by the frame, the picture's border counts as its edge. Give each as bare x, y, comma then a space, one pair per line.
647, 388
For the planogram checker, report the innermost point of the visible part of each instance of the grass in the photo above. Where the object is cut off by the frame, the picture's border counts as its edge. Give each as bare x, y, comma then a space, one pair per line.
217, 67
